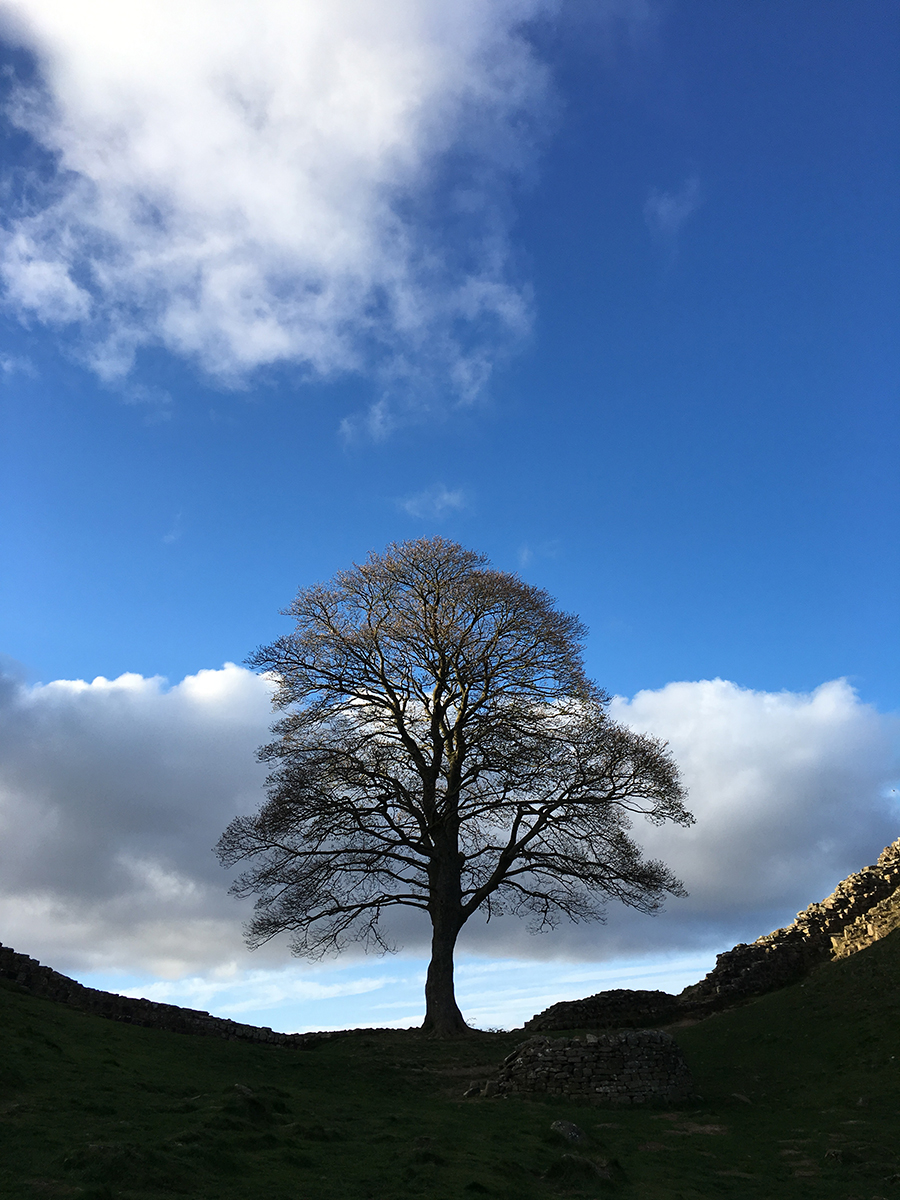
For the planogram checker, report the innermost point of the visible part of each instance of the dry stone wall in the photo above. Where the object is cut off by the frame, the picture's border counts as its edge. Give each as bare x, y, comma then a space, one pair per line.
880, 920
636, 1066
863, 908
42, 981
619, 1008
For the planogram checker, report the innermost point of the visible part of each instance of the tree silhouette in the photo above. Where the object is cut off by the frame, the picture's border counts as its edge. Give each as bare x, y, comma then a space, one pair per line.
442, 749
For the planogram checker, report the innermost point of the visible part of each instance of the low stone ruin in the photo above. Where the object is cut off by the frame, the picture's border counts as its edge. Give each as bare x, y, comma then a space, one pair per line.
637, 1066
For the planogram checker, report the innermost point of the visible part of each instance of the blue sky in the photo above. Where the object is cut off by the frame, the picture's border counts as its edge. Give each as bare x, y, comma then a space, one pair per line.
607, 292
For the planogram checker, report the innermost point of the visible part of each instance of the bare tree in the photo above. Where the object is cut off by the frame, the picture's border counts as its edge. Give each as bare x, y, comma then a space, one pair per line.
442, 749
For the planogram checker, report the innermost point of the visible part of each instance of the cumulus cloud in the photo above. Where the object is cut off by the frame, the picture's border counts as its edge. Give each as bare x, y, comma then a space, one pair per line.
113, 792
433, 502
281, 181
111, 796
791, 792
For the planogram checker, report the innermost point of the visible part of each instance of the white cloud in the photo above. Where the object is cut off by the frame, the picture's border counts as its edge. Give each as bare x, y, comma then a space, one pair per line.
433, 502
155, 401
666, 212
112, 794
248, 184
790, 792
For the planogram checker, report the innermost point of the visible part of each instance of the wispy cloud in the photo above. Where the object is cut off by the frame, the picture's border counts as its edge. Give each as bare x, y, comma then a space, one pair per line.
11, 364
528, 551
157, 402
666, 212
174, 532
433, 502
253, 990
253, 183
375, 423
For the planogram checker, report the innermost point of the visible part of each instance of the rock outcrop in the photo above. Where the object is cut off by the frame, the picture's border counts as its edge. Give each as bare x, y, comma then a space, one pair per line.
863, 908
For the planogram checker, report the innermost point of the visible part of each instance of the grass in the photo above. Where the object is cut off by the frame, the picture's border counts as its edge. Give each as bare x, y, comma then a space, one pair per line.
798, 1096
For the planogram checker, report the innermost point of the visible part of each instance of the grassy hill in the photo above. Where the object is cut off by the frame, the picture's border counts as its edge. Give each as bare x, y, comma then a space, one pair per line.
798, 1096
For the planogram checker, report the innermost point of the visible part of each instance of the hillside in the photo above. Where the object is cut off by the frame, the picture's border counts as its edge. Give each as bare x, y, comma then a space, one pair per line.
799, 1092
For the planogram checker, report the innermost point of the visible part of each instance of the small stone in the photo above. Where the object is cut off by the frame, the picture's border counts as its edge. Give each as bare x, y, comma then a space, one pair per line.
569, 1130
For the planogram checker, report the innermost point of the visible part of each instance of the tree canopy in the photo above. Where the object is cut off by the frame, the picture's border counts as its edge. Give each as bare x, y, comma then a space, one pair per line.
442, 748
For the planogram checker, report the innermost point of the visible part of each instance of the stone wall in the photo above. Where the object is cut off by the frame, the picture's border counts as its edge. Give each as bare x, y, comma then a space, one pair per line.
50, 985
633, 1067
880, 920
863, 908
620, 1008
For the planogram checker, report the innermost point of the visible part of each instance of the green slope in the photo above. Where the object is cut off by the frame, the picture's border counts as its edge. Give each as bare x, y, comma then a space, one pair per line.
800, 1096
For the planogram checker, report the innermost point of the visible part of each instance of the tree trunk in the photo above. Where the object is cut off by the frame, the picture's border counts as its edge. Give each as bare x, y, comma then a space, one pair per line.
442, 1016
